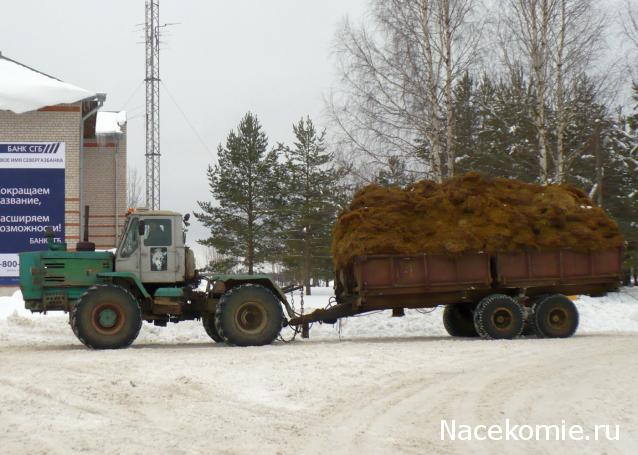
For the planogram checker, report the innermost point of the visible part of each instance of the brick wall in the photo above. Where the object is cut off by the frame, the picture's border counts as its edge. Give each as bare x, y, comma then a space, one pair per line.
53, 124
102, 193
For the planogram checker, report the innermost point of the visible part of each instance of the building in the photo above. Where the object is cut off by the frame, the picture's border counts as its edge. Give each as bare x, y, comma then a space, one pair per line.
58, 154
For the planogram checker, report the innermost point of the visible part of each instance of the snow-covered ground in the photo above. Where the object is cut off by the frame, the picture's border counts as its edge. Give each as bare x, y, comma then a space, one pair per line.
375, 384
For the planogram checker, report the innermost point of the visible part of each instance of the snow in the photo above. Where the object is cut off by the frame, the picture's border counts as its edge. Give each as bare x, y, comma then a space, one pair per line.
379, 385
23, 89
108, 123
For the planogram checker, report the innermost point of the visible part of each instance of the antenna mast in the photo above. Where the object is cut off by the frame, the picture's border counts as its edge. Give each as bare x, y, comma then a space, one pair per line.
152, 35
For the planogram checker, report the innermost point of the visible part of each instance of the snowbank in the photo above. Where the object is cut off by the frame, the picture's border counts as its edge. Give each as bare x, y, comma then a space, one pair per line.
12, 304
616, 312
23, 89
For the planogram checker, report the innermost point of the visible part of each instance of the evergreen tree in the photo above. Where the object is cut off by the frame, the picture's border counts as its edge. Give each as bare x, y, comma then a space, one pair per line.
394, 174
312, 187
495, 134
633, 119
466, 121
244, 186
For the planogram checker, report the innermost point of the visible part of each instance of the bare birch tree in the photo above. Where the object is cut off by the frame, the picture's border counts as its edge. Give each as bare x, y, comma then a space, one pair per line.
630, 22
395, 95
526, 37
578, 39
558, 40
134, 186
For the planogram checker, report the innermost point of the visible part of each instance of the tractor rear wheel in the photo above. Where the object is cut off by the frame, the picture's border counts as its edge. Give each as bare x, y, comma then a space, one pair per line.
459, 321
106, 317
209, 325
554, 316
249, 315
498, 316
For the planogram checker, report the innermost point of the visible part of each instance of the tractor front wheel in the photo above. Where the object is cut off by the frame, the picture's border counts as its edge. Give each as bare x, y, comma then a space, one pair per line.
106, 317
249, 315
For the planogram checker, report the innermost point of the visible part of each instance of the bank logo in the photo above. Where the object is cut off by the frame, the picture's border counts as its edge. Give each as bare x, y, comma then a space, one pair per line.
40, 148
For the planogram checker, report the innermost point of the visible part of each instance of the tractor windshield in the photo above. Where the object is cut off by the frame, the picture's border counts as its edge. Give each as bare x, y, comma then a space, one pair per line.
129, 240
123, 233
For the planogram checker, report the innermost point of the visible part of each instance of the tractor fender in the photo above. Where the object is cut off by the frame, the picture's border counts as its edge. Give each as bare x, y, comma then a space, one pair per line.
126, 276
231, 281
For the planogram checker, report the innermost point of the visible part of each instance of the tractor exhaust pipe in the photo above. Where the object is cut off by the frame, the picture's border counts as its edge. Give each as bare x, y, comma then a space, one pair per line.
85, 245
85, 238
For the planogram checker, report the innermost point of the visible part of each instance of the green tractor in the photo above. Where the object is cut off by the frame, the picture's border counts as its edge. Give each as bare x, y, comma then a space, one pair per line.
150, 277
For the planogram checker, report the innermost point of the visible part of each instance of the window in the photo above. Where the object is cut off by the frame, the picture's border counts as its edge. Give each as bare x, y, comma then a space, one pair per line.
158, 232
131, 240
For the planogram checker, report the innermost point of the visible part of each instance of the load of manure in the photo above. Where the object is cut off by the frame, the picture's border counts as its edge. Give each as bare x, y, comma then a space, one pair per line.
470, 213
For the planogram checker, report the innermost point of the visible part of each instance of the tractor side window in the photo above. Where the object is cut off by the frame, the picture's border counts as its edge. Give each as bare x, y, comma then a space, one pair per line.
158, 232
129, 245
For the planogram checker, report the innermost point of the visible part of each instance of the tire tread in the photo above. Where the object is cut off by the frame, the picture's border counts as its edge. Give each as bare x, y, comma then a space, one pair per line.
479, 321
82, 301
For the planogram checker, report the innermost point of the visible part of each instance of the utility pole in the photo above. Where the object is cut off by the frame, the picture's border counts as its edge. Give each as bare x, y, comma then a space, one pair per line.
152, 40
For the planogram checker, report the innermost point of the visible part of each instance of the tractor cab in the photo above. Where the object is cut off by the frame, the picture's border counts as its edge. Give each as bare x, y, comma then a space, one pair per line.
152, 247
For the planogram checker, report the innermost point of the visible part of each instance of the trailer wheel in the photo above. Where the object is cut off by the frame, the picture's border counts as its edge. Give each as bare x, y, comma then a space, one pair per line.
498, 316
459, 320
554, 316
209, 325
528, 329
106, 317
249, 315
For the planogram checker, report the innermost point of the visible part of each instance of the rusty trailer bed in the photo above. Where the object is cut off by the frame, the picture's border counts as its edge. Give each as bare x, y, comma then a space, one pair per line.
425, 280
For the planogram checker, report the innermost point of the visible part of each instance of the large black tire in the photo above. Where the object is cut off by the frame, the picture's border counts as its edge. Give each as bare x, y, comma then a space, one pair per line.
459, 320
209, 325
498, 316
106, 317
528, 329
249, 315
528, 326
554, 316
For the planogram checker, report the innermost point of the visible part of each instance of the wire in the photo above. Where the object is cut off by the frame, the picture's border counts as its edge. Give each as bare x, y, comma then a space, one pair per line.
133, 94
422, 311
188, 122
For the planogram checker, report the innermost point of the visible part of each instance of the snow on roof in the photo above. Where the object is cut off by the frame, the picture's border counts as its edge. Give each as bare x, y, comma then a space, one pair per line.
108, 123
23, 89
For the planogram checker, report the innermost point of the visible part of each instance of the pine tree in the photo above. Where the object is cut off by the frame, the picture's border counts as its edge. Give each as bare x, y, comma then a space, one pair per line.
633, 119
466, 121
312, 184
495, 134
244, 186
394, 174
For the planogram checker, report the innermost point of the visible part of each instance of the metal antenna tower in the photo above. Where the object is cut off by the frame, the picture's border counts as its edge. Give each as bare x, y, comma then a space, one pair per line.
152, 40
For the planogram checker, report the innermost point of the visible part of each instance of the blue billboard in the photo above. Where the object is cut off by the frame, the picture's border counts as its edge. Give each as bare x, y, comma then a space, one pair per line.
31, 198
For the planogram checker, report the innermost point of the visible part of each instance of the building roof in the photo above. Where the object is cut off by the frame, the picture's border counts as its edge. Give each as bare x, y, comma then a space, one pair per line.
110, 123
24, 89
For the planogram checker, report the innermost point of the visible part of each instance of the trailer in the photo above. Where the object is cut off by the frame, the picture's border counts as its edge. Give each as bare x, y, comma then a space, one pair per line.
493, 296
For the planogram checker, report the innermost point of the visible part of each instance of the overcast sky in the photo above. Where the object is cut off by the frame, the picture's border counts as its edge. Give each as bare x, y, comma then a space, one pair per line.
226, 57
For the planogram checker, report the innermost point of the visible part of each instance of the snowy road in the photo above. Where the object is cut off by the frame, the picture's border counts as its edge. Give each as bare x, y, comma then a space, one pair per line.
383, 388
